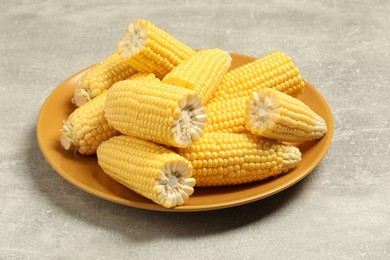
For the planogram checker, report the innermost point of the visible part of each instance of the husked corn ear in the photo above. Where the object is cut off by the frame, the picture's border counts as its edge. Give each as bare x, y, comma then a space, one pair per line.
226, 111
276, 115
203, 72
148, 169
100, 77
86, 127
154, 111
147, 48
274, 70
220, 159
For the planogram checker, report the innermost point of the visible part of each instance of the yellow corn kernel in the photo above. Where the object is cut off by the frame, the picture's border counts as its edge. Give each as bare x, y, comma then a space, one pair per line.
157, 112
86, 127
148, 169
147, 48
274, 70
220, 159
203, 72
276, 115
100, 77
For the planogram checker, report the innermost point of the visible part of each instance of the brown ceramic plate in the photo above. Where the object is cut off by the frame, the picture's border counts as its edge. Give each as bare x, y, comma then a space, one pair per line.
85, 173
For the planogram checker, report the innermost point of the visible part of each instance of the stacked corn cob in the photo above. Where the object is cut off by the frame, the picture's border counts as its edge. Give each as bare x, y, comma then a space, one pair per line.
220, 127
101, 77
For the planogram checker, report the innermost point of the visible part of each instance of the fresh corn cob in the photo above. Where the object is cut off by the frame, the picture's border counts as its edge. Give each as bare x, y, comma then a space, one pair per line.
203, 72
274, 70
100, 78
86, 127
148, 169
276, 115
226, 111
147, 48
157, 112
220, 159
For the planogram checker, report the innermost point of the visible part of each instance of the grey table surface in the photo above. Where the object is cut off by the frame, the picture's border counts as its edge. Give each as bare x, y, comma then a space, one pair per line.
340, 211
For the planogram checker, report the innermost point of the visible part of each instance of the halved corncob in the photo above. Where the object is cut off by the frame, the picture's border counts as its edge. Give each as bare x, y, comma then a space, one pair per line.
148, 169
147, 48
157, 112
220, 159
86, 127
274, 70
203, 72
100, 77
276, 115
226, 111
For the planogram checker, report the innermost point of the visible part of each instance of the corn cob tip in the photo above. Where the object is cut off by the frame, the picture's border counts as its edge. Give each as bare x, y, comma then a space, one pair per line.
189, 123
276, 115
291, 157
133, 39
174, 184
81, 96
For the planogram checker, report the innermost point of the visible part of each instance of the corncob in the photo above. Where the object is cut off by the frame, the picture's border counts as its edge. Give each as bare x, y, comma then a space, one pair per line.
86, 127
226, 111
203, 72
147, 48
276, 115
148, 169
100, 77
157, 112
274, 70
220, 159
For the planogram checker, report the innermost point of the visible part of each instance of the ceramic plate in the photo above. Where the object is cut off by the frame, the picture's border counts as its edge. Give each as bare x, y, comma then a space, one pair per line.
85, 173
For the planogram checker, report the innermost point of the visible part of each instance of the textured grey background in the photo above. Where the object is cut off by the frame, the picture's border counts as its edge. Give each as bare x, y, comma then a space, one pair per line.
340, 211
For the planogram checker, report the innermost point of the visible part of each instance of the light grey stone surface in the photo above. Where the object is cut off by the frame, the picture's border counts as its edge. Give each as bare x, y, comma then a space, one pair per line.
340, 211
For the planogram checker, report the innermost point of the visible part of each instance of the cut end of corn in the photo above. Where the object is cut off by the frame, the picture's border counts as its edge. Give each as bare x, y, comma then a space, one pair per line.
133, 39
261, 111
190, 121
276, 115
174, 184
